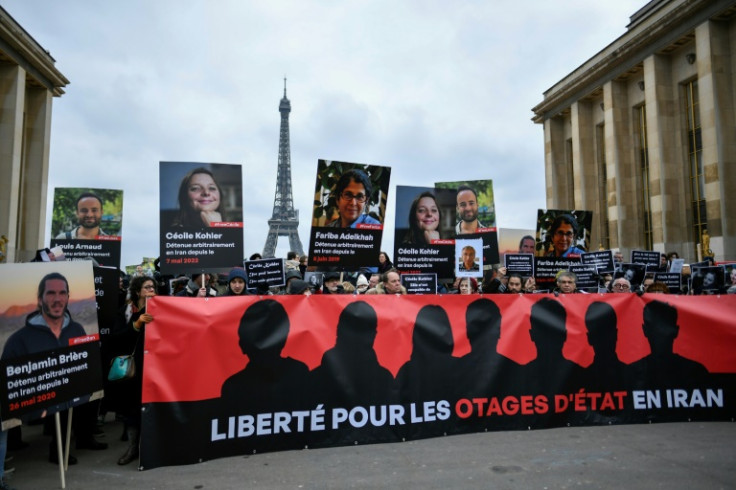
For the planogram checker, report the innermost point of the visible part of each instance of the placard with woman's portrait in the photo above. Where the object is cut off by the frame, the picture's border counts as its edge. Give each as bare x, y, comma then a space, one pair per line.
201, 217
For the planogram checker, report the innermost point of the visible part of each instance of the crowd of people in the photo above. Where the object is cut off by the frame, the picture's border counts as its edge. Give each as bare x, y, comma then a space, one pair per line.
387, 280
124, 397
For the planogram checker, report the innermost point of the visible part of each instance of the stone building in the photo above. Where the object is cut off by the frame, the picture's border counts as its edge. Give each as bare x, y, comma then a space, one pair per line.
28, 82
644, 133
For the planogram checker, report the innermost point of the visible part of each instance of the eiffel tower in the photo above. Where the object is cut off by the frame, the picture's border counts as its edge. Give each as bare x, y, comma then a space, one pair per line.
285, 219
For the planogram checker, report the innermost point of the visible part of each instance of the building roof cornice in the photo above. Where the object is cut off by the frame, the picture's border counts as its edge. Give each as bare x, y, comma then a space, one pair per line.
22, 49
652, 28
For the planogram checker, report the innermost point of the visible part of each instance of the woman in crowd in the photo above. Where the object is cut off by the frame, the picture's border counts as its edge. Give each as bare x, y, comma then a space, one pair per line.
384, 262
129, 336
200, 200
236, 282
468, 285
424, 220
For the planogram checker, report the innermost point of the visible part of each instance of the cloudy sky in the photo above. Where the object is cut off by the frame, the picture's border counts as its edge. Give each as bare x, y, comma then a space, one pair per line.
437, 90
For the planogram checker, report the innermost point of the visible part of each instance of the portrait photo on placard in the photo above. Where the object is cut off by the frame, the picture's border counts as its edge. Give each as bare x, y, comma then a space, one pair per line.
201, 216
425, 230
563, 233
83, 213
708, 279
515, 241
475, 214
348, 195
20, 302
469, 257
48, 332
200, 195
424, 215
475, 211
348, 213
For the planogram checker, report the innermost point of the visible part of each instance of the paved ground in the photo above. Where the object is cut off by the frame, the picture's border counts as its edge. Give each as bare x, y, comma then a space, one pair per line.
672, 456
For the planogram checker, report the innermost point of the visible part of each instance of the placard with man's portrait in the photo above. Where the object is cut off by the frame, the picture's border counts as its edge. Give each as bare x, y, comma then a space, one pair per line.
475, 215
88, 222
49, 338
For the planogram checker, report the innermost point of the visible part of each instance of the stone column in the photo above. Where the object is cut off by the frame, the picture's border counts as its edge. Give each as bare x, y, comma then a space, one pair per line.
620, 165
666, 158
555, 164
34, 179
12, 99
584, 163
718, 127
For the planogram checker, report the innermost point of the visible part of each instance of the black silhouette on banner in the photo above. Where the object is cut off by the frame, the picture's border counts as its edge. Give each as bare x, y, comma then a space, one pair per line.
401, 368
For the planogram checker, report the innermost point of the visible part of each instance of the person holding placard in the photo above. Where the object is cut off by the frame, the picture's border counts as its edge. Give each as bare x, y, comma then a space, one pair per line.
198, 286
130, 335
515, 284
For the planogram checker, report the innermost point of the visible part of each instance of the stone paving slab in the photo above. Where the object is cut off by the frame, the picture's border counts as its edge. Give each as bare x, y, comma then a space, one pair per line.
690, 455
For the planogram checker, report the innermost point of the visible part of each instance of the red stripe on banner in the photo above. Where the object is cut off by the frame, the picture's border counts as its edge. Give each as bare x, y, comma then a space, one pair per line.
226, 224
83, 340
192, 345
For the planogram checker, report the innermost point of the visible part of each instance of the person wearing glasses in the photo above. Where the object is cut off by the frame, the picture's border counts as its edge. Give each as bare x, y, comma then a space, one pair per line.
564, 231
352, 193
621, 285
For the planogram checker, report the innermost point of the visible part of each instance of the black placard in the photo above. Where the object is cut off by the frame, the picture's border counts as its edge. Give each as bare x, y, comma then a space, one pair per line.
522, 264
265, 272
673, 280
419, 283
587, 276
603, 260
